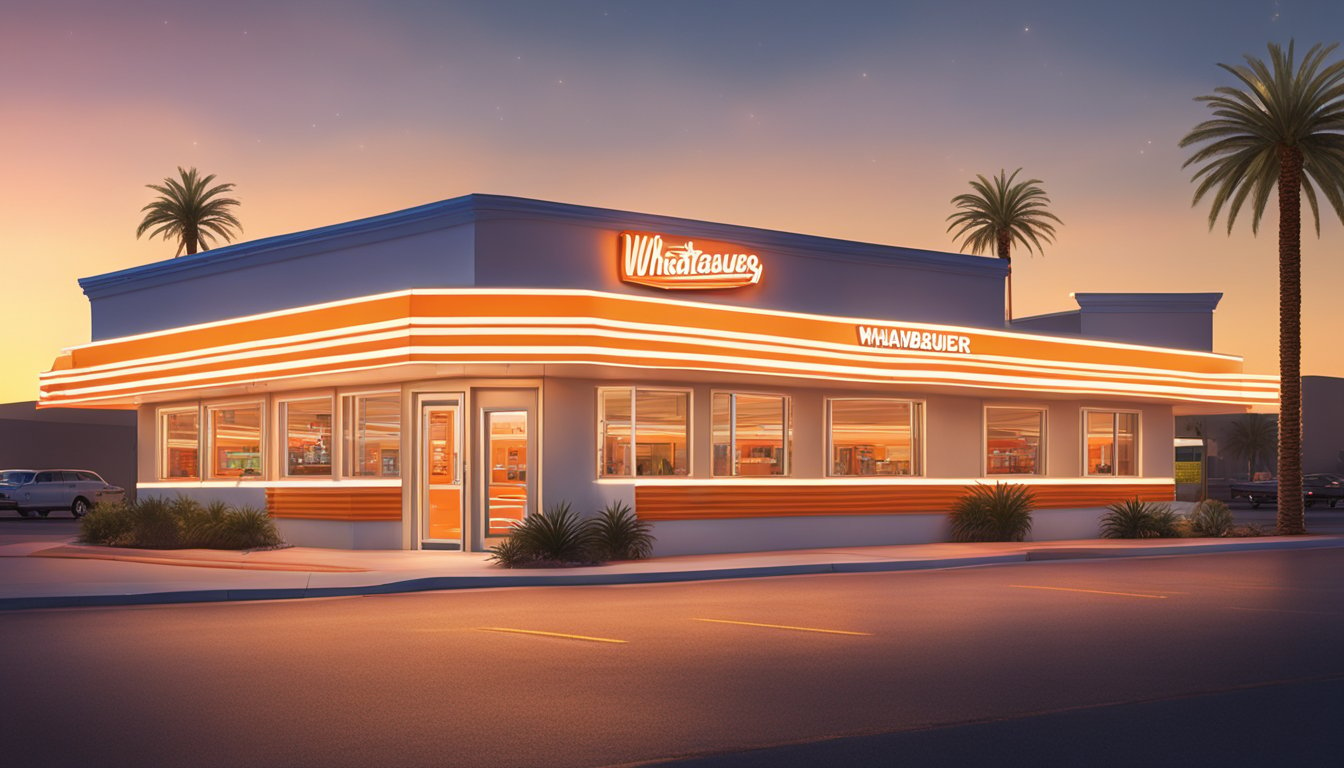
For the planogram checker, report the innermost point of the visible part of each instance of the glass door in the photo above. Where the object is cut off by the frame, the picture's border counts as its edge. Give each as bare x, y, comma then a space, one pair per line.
441, 476
506, 501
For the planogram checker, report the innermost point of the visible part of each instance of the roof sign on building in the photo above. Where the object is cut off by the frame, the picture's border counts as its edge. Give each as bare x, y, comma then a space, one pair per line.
678, 265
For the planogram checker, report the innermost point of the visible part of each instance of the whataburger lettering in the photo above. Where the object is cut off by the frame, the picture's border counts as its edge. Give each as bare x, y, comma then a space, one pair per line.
646, 260
902, 338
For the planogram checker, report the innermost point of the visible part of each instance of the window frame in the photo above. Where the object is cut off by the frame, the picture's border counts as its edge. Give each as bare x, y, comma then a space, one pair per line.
343, 432
264, 449
732, 432
1115, 436
282, 435
161, 442
1042, 453
917, 426
634, 391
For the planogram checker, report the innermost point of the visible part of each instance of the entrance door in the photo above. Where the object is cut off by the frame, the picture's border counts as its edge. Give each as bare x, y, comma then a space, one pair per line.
441, 475
506, 463
507, 499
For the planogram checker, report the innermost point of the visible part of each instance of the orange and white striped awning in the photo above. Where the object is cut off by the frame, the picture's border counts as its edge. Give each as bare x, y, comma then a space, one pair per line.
466, 326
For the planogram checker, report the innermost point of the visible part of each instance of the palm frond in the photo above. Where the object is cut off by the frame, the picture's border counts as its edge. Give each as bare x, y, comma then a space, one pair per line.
1002, 206
1276, 105
191, 211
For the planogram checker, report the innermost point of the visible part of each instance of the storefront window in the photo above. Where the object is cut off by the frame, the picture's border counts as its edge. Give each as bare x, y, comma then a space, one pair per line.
1111, 441
180, 444
874, 437
307, 437
657, 443
1014, 441
372, 425
751, 434
235, 442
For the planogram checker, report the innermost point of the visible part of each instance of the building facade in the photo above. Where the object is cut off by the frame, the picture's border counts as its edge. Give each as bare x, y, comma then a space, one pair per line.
425, 378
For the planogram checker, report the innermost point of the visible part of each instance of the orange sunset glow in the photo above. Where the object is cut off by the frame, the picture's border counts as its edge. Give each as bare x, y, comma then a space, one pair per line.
851, 120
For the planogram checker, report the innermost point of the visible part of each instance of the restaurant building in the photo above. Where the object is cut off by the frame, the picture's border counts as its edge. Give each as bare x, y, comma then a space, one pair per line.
425, 378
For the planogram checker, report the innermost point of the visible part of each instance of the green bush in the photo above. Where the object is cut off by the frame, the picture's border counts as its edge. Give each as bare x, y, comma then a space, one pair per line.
245, 528
1001, 512
157, 523
1211, 517
1134, 519
511, 553
619, 535
107, 523
557, 535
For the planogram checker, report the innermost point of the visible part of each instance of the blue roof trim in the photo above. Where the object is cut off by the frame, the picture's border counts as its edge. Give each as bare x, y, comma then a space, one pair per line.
1201, 303
480, 207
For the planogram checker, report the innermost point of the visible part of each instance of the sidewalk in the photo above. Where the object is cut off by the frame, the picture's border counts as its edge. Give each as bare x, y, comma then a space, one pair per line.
43, 575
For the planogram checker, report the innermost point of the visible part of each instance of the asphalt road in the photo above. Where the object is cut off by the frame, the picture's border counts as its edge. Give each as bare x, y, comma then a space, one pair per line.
1230, 659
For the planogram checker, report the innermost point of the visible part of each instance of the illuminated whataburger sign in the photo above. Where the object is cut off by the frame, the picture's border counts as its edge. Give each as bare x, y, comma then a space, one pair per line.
647, 260
904, 338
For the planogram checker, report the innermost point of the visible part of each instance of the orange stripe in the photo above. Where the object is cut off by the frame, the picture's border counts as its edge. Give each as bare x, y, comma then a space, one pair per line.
788, 337
709, 502
349, 504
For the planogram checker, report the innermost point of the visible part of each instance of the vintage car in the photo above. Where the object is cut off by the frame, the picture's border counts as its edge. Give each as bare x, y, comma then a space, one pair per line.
1318, 487
40, 492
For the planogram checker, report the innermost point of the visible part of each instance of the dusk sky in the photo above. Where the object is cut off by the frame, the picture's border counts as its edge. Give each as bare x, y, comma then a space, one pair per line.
843, 119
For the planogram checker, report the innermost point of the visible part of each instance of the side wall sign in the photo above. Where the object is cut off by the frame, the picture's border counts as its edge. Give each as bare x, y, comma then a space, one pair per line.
678, 265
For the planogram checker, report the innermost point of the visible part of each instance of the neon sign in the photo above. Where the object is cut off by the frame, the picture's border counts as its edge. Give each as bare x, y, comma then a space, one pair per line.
647, 260
901, 338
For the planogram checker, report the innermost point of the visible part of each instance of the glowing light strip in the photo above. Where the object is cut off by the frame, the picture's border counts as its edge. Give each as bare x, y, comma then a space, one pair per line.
322, 483
675, 334
886, 481
723, 308
808, 370
400, 351
49, 400
1082, 376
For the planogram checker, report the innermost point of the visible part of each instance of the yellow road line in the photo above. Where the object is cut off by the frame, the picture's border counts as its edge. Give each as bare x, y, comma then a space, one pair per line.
785, 626
551, 634
1090, 591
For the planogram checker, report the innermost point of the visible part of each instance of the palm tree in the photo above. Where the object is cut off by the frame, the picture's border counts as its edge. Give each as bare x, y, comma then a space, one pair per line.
190, 210
1251, 439
1282, 128
1001, 213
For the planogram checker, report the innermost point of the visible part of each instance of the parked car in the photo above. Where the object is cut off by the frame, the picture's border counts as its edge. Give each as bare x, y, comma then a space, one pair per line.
40, 492
1321, 487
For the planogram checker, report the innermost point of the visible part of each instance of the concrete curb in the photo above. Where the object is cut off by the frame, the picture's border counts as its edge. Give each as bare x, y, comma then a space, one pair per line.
570, 579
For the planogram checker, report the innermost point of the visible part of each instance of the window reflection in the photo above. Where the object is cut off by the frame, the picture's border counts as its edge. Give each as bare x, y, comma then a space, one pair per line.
874, 437
1013, 440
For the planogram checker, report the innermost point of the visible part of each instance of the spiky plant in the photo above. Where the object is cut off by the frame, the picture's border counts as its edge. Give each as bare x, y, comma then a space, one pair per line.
558, 535
511, 553
191, 211
999, 512
1211, 517
1135, 519
1281, 128
1000, 213
619, 535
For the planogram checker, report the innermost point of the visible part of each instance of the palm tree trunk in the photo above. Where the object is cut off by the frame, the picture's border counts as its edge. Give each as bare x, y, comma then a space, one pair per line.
1290, 519
1004, 243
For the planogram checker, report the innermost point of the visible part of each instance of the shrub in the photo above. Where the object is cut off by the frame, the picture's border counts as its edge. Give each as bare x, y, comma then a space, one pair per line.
557, 535
619, 535
106, 524
199, 523
1211, 517
1134, 519
156, 523
1001, 512
245, 528
511, 553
